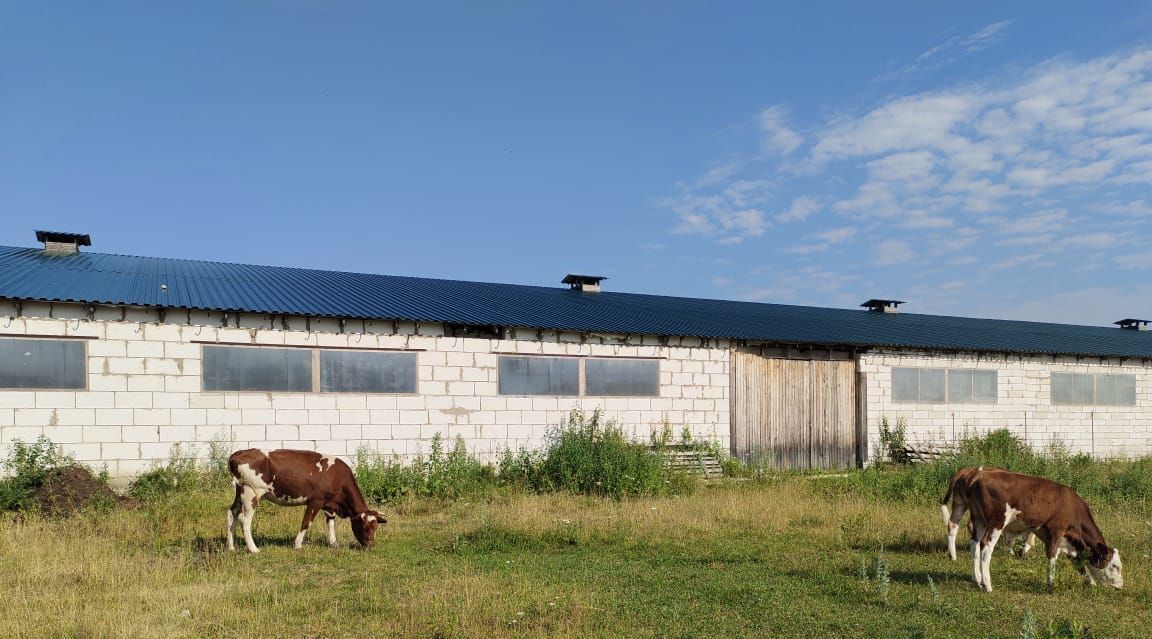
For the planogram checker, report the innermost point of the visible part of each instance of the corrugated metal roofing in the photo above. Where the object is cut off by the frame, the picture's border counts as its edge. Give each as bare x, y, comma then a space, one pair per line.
30, 274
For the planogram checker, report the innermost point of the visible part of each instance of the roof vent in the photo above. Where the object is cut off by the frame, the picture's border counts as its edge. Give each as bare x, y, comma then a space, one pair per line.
62, 243
1133, 324
882, 306
585, 283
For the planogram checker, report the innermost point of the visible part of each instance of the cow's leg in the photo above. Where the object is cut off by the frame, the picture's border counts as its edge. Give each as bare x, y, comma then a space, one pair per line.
309, 514
1029, 542
331, 528
974, 545
953, 527
989, 546
249, 499
233, 517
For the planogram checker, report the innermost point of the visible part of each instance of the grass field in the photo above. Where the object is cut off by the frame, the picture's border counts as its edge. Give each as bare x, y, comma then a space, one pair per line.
744, 559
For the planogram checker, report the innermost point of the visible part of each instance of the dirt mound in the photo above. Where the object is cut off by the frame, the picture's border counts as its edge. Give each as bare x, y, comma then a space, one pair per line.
66, 490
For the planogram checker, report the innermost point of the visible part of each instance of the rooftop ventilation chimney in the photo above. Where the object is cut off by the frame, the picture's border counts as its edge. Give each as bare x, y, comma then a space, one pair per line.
1133, 324
585, 283
882, 306
62, 243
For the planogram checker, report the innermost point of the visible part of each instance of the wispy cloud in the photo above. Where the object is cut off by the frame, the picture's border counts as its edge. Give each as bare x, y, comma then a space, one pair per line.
952, 49
778, 136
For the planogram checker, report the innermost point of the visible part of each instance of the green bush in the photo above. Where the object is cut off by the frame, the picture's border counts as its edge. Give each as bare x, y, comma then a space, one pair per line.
592, 456
26, 468
444, 474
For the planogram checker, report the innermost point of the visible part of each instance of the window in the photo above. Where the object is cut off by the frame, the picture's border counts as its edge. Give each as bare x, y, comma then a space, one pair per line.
367, 372
43, 363
539, 376
271, 369
1093, 389
622, 377
232, 368
562, 376
940, 385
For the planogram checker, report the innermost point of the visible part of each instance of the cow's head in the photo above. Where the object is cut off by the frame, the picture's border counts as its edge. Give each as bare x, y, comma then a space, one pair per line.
364, 527
1106, 566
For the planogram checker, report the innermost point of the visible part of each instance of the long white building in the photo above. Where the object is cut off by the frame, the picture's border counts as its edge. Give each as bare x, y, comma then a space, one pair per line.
117, 358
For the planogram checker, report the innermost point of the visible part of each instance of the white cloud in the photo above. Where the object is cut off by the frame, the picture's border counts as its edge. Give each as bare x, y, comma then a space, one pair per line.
778, 136
745, 222
891, 252
1021, 170
800, 209
1035, 223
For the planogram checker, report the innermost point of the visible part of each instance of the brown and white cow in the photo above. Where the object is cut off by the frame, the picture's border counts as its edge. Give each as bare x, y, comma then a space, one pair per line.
1001, 501
298, 478
955, 505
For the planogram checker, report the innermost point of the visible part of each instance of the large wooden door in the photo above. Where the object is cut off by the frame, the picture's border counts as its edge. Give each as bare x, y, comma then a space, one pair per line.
793, 413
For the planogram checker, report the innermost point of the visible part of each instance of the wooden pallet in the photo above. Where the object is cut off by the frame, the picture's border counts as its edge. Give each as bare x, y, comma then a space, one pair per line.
920, 453
694, 462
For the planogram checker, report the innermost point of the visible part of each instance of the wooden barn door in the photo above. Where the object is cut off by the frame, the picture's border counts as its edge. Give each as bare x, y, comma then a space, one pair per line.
793, 413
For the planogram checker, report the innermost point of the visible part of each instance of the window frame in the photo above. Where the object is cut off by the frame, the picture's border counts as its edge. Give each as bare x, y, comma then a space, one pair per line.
54, 338
316, 368
1095, 399
582, 372
947, 374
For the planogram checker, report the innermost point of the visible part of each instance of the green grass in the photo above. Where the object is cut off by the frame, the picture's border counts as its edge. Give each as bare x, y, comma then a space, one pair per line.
787, 558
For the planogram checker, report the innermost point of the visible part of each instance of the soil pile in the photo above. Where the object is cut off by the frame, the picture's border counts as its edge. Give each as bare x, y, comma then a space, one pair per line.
68, 489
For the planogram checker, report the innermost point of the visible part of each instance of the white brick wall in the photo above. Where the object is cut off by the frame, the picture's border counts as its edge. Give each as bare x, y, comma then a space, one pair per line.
1022, 405
144, 392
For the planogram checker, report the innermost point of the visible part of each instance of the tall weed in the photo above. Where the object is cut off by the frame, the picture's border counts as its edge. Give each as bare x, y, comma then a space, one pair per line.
444, 474
1112, 481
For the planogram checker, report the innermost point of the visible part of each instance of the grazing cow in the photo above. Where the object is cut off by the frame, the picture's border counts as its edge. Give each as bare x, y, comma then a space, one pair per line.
1002, 501
954, 505
298, 478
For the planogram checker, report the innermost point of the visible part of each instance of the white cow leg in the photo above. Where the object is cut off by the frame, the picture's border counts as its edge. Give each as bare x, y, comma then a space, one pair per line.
976, 572
974, 546
331, 529
246, 515
309, 514
1052, 570
952, 530
986, 558
233, 518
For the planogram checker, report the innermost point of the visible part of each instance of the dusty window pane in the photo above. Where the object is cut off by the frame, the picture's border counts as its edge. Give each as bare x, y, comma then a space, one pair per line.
257, 369
367, 372
42, 363
539, 376
984, 387
959, 386
932, 384
1083, 389
1116, 390
1073, 388
630, 377
905, 384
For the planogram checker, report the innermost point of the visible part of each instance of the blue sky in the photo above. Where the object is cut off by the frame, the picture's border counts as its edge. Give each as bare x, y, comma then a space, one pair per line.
983, 159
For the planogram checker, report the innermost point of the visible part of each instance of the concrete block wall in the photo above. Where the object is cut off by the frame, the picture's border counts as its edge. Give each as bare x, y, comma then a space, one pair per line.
1023, 403
144, 389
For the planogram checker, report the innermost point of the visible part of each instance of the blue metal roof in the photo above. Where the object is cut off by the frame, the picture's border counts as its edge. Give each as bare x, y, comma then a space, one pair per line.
30, 274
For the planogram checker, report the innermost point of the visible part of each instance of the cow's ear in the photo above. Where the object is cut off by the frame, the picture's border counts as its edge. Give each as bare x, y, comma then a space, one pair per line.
1101, 553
